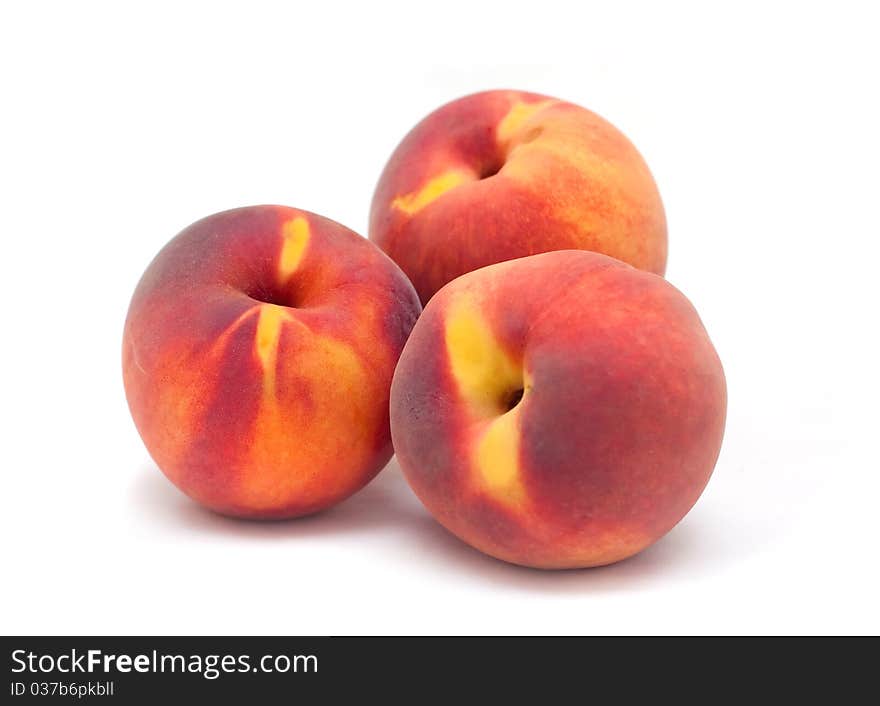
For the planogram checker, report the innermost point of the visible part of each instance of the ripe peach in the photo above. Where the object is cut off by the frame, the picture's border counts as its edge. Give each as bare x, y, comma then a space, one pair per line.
505, 174
257, 359
557, 411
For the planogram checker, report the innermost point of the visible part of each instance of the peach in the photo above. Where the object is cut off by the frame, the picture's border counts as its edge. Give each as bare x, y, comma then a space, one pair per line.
258, 354
505, 174
560, 410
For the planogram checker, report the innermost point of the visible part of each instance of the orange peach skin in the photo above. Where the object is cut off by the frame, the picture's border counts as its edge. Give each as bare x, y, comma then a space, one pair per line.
571, 427
257, 359
505, 174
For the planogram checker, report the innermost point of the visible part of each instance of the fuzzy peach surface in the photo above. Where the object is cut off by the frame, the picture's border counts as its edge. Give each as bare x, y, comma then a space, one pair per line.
258, 353
504, 174
558, 411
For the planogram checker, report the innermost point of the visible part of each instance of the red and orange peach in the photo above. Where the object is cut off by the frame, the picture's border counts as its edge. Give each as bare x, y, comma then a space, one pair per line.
505, 174
560, 410
258, 354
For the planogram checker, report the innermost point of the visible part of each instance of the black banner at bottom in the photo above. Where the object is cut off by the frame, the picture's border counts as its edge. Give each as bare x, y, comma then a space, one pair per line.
134, 670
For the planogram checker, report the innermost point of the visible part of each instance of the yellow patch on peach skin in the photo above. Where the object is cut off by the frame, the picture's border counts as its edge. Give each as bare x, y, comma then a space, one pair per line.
497, 459
516, 118
485, 373
272, 317
295, 234
432, 190
486, 376
285, 465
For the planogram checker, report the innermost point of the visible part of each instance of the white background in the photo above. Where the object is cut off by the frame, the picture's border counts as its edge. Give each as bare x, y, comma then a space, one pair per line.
120, 126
